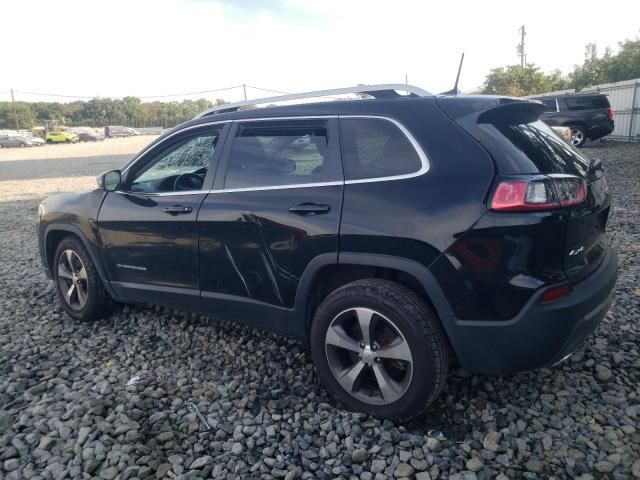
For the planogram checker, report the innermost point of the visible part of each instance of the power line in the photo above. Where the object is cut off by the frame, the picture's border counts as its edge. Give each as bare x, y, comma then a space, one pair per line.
184, 94
190, 93
269, 90
52, 94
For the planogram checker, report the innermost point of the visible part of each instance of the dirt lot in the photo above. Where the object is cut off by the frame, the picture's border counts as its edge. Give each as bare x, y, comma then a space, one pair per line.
66, 410
38, 171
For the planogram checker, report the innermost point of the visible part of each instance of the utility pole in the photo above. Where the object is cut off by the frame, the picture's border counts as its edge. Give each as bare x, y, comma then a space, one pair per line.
244, 88
406, 79
521, 50
15, 114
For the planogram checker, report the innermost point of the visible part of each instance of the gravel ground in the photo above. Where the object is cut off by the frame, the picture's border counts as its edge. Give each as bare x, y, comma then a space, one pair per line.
66, 410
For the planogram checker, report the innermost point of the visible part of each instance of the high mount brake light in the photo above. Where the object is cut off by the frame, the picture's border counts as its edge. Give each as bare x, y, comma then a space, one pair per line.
538, 194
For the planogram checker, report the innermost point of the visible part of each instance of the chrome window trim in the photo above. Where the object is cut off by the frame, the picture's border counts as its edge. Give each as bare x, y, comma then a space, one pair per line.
424, 161
424, 168
164, 194
279, 187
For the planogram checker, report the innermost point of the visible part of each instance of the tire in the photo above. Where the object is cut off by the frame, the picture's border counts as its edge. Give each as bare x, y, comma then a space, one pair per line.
49, 142
578, 135
97, 302
67, 141
399, 319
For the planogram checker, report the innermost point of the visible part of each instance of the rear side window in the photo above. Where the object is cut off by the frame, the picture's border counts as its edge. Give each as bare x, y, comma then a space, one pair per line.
375, 148
587, 102
265, 154
532, 148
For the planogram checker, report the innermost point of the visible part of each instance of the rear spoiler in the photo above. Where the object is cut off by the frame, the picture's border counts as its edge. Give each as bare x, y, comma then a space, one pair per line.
470, 110
512, 113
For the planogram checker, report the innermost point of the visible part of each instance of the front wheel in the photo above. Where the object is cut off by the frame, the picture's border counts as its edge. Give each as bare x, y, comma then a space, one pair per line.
378, 348
78, 284
578, 135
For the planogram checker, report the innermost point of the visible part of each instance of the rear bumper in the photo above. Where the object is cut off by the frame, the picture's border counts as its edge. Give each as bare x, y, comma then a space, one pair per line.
600, 129
543, 333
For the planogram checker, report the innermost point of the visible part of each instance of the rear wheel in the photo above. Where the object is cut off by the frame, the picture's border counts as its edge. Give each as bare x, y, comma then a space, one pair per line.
378, 348
578, 135
79, 287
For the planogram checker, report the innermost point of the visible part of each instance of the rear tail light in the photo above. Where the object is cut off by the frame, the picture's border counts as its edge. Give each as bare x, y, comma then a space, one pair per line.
539, 194
610, 113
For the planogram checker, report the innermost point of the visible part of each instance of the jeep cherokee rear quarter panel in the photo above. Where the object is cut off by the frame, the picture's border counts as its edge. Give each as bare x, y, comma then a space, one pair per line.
421, 217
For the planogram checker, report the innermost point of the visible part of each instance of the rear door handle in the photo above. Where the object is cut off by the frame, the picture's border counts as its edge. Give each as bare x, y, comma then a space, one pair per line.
308, 208
177, 209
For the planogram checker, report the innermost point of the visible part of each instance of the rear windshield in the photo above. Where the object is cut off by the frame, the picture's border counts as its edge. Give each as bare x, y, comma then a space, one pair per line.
587, 102
531, 148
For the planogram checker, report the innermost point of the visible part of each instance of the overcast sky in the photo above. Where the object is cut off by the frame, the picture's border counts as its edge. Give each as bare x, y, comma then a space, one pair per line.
115, 48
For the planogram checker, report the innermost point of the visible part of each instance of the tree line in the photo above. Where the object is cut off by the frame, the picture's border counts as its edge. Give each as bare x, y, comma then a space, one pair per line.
98, 112
515, 80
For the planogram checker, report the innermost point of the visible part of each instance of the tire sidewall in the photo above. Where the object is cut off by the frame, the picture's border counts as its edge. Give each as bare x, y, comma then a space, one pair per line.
423, 381
584, 134
92, 282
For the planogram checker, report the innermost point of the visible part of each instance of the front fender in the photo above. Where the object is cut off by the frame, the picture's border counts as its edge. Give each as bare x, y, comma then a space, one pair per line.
75, 213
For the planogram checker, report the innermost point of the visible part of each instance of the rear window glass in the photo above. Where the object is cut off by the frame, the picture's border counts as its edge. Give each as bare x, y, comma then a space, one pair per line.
532, 148
374, 148
587, 102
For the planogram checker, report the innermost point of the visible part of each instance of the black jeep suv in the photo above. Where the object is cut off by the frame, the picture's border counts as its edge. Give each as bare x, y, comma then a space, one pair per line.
589, 116
389, 233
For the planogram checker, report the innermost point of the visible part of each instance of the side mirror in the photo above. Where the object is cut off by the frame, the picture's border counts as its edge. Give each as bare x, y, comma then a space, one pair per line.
109, 181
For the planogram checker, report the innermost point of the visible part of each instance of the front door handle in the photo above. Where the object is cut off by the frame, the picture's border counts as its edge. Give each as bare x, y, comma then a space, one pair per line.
308, 208
177, 209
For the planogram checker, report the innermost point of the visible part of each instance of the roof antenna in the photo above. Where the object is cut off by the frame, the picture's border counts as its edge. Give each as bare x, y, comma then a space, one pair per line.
455, 91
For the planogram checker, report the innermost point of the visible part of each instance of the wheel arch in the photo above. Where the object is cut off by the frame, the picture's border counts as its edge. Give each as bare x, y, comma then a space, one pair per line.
324, 274
55, 233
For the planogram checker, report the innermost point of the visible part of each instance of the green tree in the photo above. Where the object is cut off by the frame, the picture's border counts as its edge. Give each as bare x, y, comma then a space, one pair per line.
515, 80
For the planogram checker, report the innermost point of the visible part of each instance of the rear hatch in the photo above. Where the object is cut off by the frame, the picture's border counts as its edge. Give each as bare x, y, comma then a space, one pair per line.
522, 146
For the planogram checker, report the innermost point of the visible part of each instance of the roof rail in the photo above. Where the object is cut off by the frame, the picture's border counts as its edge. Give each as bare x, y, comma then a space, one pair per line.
387, 90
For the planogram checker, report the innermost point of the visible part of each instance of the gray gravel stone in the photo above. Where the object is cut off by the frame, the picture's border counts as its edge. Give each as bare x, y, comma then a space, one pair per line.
360, 455
65, 405
475, 464
535, 466
403, 470
11, 464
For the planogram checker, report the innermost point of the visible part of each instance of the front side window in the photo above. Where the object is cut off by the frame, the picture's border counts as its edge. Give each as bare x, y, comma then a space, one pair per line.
376, 148
181, 167
264, 155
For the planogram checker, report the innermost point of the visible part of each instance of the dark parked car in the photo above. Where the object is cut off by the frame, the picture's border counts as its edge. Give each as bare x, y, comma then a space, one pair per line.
8, 141
89, 136
387, 233
589, 116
